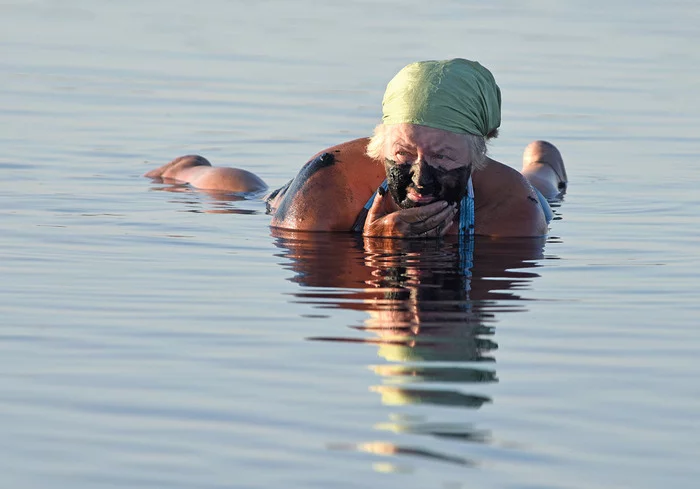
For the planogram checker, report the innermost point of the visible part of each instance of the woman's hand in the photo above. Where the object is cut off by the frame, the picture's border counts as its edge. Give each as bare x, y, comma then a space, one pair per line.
386, 219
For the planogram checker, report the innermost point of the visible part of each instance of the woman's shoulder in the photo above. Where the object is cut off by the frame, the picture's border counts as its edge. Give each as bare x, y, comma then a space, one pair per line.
329, 191
496, 175
505, 203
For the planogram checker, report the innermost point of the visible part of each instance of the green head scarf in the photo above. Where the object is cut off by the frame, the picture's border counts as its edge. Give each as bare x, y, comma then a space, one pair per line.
456, 95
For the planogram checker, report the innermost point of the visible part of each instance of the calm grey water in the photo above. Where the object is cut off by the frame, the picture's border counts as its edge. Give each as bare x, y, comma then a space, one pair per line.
159, 338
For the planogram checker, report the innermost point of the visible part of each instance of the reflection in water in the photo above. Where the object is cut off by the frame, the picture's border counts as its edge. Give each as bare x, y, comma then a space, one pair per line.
444, 397
400, 374
431, 308
386, 448
403, 424
205, 201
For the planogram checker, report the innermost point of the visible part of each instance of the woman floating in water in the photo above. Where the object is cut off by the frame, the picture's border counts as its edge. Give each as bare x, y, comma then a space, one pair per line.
423, 174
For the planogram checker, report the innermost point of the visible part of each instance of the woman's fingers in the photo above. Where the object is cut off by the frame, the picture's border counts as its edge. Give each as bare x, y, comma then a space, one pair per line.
428, 221
432, 220
418, 214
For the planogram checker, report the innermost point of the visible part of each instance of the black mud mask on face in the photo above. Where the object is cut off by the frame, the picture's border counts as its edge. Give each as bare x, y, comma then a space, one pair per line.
447, 185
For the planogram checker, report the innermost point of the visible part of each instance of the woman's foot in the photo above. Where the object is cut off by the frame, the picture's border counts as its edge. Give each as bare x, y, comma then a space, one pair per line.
544, 168
174, 169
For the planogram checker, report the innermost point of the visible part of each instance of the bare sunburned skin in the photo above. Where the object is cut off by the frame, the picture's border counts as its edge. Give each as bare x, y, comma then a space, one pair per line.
198, 172
544, 168
284, 207
331, 190
330, 197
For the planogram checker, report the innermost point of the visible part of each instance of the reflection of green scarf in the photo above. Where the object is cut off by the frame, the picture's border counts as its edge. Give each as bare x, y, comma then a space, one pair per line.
456, 95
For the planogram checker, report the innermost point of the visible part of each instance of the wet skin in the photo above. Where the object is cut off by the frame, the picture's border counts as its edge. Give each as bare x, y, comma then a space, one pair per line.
330, 192
324, 160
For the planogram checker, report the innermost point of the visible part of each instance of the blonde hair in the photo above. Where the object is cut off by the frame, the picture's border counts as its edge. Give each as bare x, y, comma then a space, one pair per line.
476, 145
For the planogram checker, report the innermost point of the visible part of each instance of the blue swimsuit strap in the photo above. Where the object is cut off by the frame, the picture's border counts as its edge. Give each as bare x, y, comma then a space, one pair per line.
466, 211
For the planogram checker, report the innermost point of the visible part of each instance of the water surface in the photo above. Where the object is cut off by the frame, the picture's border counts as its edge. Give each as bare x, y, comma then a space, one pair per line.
159, 338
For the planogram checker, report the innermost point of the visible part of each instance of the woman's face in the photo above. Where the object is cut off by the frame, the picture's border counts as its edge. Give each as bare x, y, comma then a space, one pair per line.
424, 165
